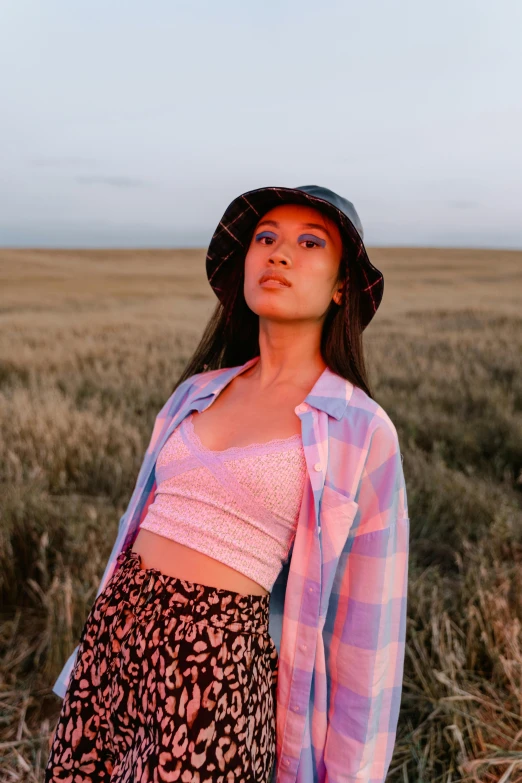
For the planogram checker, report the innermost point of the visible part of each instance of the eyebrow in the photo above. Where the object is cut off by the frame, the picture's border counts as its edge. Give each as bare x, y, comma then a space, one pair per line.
303, 225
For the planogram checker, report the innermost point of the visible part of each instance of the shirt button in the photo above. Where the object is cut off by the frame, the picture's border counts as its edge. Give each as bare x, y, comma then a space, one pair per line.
286, 762
303, 647
310, 589
317, 466
296, 708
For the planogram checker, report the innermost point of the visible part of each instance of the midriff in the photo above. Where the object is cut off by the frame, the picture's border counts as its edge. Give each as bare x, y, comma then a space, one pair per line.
183, 562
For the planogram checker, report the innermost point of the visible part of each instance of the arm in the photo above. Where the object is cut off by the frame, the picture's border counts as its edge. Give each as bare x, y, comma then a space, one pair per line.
367, 647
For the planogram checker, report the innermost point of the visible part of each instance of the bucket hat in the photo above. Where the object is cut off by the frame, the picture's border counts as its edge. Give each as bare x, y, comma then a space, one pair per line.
232, 236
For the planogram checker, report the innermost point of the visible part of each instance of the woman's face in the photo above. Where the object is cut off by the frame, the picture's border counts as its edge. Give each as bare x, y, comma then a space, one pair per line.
307, 256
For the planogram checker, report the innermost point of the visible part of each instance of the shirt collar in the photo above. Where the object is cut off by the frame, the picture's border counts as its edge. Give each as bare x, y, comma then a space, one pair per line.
331, 392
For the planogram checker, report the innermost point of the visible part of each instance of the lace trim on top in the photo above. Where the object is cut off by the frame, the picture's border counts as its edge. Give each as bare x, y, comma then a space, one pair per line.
238, 450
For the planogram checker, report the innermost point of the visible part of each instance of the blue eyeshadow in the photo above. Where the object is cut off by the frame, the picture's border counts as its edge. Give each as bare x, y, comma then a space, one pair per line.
302, 238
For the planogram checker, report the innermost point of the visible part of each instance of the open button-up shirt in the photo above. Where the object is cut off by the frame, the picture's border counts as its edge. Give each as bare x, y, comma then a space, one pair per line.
338, 606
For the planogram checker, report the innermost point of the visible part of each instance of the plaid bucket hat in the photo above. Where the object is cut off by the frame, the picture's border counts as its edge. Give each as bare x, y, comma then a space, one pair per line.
232, 236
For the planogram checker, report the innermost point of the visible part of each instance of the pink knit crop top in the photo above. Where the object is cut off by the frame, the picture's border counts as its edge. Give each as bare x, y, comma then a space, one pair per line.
239, 505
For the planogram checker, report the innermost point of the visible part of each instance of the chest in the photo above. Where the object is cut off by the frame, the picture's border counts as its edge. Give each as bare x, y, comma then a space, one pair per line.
238, 418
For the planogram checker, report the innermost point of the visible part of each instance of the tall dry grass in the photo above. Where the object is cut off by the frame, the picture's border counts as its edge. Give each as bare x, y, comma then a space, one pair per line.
81, 380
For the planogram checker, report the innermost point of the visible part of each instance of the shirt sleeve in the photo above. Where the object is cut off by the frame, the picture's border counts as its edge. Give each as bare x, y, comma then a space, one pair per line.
367, 647
175, 400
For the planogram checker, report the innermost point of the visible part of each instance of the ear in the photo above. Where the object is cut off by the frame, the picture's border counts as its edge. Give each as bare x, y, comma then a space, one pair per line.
338, 294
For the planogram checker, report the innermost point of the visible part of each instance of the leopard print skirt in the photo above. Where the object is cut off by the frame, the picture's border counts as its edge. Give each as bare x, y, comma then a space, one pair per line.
173, 681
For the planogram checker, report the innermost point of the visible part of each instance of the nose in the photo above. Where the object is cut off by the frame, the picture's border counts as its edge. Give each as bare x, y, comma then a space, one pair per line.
281, 256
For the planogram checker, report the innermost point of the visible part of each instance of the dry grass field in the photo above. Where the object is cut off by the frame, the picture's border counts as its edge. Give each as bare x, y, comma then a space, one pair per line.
91, 344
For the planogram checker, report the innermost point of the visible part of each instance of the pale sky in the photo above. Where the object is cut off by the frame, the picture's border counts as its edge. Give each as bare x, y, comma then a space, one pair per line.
135, 124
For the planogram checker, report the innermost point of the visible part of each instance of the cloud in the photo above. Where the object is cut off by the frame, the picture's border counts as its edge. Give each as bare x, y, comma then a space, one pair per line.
115, 182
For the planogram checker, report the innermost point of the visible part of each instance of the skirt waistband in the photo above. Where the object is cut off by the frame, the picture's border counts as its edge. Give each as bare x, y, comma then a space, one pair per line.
152, 590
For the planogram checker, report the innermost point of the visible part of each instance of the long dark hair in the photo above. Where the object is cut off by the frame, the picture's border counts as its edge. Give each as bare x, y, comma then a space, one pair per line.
231, 336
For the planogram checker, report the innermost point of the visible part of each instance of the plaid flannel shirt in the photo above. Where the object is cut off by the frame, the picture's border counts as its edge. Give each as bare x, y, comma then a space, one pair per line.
338, 606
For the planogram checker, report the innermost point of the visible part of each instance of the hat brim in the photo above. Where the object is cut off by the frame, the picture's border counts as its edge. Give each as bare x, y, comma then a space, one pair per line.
234, 231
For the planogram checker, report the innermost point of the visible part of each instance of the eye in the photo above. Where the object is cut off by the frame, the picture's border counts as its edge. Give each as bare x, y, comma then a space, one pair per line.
259, 237
315, 241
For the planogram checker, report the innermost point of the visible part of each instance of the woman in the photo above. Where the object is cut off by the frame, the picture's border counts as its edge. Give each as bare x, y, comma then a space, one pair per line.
250, 622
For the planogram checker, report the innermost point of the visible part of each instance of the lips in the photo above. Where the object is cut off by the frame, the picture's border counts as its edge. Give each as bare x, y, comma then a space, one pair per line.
274, 276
